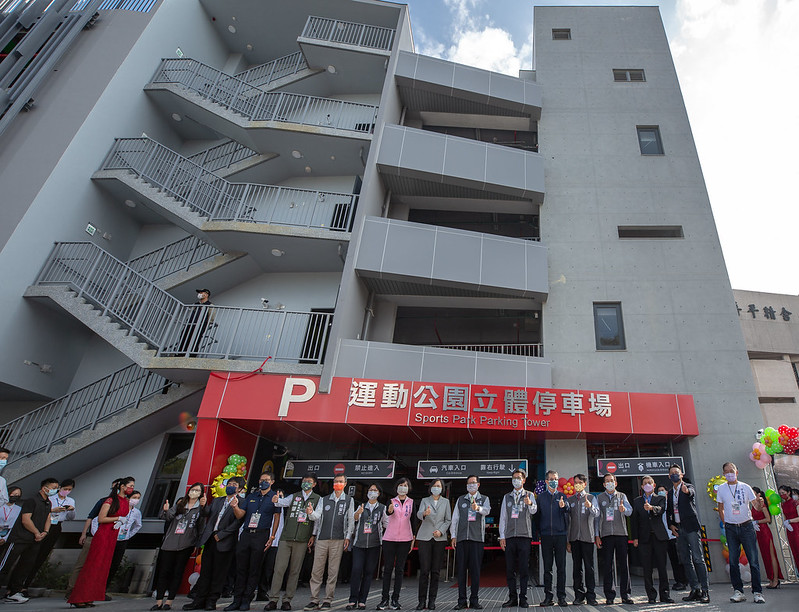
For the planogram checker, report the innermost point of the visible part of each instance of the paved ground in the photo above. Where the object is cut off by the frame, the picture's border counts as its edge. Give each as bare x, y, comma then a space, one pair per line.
785, 599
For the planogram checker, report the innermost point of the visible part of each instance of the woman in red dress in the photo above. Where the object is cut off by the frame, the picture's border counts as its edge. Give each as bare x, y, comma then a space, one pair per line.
90, 585
765, 542
790, 510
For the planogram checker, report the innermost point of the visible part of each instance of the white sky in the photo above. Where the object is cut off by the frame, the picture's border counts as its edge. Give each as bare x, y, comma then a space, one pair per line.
738, 66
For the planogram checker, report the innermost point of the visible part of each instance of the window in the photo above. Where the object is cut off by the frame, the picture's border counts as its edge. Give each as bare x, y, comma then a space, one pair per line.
561, 34
650, 231
629, 75
649, 140
608, 326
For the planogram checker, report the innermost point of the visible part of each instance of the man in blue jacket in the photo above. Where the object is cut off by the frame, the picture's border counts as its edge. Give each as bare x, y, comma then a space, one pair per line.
553, 512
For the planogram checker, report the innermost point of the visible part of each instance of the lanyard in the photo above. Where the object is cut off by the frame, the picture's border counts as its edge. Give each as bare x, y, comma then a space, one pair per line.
6, 514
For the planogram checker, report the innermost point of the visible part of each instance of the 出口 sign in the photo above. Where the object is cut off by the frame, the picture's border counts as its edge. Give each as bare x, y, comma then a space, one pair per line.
638, 466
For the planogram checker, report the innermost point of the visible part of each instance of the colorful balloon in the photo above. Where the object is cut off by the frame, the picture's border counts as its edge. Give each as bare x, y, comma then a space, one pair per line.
713, 485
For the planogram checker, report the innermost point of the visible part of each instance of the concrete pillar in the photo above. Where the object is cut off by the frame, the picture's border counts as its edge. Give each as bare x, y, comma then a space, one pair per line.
568, 457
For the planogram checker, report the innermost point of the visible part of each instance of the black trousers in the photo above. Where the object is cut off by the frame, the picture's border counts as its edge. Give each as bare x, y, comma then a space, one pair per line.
116, 561
615, 546
170, 571
18, 562
517, 561
267, 569
653, 554
45, 547
583, 564
212, 573
553, 547
394, 556
364, 564
677, 568
431, 560
468, 559
249, 558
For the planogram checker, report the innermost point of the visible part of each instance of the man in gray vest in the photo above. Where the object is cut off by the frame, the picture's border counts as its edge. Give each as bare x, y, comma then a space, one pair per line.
334, 526
516, 536
583, 510
468, 534
611, 538
296, 539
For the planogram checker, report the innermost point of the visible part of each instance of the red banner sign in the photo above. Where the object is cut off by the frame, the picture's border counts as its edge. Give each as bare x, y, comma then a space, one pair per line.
443, 405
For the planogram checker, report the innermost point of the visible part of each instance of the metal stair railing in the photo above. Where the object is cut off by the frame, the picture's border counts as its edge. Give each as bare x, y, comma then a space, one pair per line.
520, 350
175, 329
222, 156
217, 199
174, 257
348, 33
259, 76
79, 410
257, 105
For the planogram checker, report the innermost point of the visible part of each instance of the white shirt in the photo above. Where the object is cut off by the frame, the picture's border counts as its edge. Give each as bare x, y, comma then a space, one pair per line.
129, 529
57, 501
3, 492
736, 498
8, 516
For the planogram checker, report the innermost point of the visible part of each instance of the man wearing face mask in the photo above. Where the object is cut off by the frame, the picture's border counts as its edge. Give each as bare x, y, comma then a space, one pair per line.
734, 500
649, 537
198, 320
223, 518
516, 536
4, 454
468, 536
583, 510
553, 511
611, 538
684, 524
677, 568
296, 539
261, 520
31, 528
334, 527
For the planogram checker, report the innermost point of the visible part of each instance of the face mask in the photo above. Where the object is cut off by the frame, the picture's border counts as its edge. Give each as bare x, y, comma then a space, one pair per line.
553, 484
200, 296
472, 487
517, 483
402, 490
63, 493
662, 493
242, 494
795, 497
264, 485
14, 499
230, 489
609, 486
435, 490
339, 486
51, 492
134, 502
648, 488
3, 463
129, 491
306, 486
194, 494
731, 476
674, 477
373, 494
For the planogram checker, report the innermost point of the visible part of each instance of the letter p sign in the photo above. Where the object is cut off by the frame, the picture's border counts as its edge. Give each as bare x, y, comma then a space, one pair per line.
309, 390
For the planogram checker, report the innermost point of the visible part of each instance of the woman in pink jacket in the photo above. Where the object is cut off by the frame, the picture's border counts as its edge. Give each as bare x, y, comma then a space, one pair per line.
397, 542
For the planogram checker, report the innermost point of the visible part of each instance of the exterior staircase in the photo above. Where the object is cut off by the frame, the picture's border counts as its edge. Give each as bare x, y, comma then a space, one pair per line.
228, 158
121, 410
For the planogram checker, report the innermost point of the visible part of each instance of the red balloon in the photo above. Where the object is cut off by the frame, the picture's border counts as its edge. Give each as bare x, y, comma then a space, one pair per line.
793, 433
783, 429
562, 481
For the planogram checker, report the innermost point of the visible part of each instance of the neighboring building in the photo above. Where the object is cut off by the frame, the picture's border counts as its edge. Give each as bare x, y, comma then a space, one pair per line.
435, 262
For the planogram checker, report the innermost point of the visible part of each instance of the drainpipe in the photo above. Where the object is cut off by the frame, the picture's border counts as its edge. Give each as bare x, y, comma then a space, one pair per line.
368, 315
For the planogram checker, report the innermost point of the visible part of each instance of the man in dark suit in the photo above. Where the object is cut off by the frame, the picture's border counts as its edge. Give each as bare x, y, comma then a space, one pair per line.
684, 524
219, 537
650, 538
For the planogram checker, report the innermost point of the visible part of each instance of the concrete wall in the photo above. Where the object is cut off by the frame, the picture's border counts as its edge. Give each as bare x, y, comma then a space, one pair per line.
296, 291
681, 328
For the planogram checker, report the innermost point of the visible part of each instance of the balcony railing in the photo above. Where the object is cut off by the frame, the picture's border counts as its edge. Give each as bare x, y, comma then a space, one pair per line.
222, 156
175, 329
257, 105
262, 75
348, 33
520, 350
175, 257
66, 416
213, 197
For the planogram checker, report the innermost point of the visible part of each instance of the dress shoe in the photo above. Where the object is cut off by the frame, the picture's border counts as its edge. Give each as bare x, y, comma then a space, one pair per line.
608, 602
704, 597
523, 602
578, 601
547, 602
666, 599
244, 606
563, 602
592, 602
272, 605
692, 596
476, 605
211, 605
652, 600
462, 605
628, 601
511, 603
234, 605
193, 606
285, 606
431, 605
421, 605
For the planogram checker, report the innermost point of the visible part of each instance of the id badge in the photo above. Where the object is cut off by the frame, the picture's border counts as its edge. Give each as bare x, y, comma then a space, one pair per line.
54, 519
4, 532
736, 508
472, 515
181, 527
302, 517
367, 527
514, 513
255, 517
610, 514
123, 532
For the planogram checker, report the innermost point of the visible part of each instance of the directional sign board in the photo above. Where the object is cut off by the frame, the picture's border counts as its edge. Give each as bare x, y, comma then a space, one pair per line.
295, 469
462, 468
638, 466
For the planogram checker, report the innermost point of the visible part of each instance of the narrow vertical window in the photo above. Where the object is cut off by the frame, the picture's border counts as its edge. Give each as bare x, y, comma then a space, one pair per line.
649, 140
608, 326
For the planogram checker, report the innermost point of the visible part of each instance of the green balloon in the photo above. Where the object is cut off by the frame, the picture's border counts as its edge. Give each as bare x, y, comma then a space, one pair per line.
774, 509
229, 469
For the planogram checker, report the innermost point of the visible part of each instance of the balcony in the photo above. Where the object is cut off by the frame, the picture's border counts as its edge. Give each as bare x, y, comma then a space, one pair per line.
415, 162
404, 258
